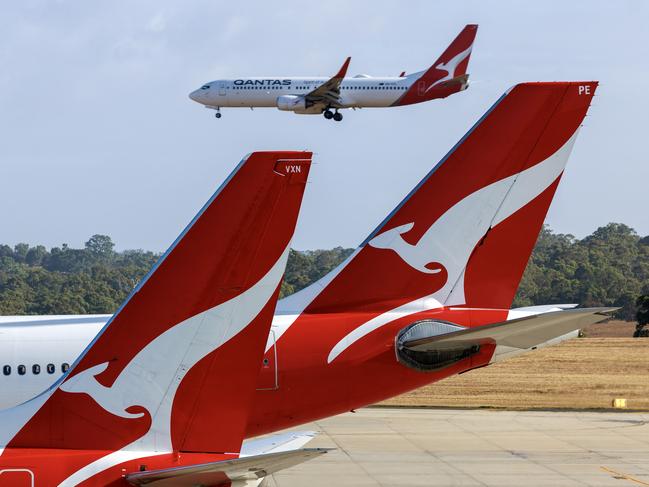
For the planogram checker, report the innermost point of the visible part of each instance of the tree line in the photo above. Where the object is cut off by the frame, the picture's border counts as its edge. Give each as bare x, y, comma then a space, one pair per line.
610, 267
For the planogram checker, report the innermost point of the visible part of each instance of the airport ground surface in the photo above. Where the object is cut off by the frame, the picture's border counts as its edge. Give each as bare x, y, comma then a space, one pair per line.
447, 447
584, 373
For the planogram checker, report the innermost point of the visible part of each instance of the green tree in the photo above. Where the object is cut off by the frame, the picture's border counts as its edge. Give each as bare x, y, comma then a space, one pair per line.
35, 255
642, 315
20, 251
607, 268
100, 246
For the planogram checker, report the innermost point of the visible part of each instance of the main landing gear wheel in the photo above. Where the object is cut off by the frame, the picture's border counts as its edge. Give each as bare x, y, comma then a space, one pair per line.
328, 114
338, 116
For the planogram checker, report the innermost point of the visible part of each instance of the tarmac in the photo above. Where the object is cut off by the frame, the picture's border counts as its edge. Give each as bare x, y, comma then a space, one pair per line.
445, 447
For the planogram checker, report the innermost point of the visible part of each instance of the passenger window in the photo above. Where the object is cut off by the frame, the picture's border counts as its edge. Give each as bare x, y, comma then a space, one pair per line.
36, 369
22, 369
6, 370
51, 369
65, 367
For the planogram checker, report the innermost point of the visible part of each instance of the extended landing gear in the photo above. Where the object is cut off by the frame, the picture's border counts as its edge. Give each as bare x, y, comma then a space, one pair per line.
218, 112
328, 114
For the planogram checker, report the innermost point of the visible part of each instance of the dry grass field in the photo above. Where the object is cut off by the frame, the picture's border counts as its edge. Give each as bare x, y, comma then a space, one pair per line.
584, 373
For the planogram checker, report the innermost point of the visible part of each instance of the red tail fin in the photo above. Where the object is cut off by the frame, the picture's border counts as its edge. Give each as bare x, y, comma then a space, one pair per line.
447, 75
464, 234
175, 368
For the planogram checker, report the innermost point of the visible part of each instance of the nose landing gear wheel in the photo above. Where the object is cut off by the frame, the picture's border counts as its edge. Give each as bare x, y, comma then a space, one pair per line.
217, 114
328, 114
338, 116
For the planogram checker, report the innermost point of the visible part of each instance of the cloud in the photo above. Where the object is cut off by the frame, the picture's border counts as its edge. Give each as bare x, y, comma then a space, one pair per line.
234, 27
157, 23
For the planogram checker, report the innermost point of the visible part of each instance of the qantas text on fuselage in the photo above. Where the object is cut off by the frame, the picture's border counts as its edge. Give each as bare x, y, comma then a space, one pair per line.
313, 96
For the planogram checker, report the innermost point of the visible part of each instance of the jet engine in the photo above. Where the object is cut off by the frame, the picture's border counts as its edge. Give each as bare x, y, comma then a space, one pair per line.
292, 103
416, 352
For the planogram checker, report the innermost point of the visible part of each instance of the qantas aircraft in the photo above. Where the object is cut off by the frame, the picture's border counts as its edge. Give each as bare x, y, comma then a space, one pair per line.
313, 96
162, 395
427, 295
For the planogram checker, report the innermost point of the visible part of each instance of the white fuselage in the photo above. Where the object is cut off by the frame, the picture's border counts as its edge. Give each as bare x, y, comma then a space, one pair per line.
35, 351
358, 92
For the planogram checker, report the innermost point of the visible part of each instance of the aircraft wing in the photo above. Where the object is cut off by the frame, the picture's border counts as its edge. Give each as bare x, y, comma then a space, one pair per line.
225, 472
521, 333
328, 93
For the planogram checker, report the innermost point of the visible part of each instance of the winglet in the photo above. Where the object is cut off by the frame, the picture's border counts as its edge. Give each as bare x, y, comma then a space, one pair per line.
343, 69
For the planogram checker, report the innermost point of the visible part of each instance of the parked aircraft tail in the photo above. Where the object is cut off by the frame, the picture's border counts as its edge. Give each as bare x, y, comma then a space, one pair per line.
175, 368
464, 234
447, 75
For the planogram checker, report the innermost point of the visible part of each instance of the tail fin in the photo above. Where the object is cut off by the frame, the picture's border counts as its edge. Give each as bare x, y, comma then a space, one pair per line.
175, 368
447, 75
464, 234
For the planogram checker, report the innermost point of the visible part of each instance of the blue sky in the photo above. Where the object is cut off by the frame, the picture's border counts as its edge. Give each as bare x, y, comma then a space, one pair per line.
98, 135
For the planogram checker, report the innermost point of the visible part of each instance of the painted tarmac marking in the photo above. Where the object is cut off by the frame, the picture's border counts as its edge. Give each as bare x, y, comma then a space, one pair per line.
623, 476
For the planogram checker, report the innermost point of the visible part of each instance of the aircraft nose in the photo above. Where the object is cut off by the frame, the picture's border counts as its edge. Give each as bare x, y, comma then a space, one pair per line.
196, 95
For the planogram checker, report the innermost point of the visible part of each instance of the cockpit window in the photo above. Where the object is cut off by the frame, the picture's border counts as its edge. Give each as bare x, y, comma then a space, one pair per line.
205, 87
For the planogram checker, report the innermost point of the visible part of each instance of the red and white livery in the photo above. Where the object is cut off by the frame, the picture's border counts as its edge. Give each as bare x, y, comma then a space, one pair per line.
163, 394
427, 295
313, 96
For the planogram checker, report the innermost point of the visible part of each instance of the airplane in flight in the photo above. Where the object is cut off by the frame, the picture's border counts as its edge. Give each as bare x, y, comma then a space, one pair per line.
314, 96
426, 296
162, 395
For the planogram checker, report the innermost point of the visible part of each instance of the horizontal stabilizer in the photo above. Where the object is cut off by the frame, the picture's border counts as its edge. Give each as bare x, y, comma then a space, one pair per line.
225, 472
520, 333
461, 81
276, 443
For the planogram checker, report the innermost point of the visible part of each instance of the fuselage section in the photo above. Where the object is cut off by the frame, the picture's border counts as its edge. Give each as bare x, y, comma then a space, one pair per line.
264, 92
298, 381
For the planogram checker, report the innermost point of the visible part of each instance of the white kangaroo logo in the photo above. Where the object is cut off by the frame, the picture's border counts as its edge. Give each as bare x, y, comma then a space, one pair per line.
414, 255
150, 380
450, 66
453, 236
85, 382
